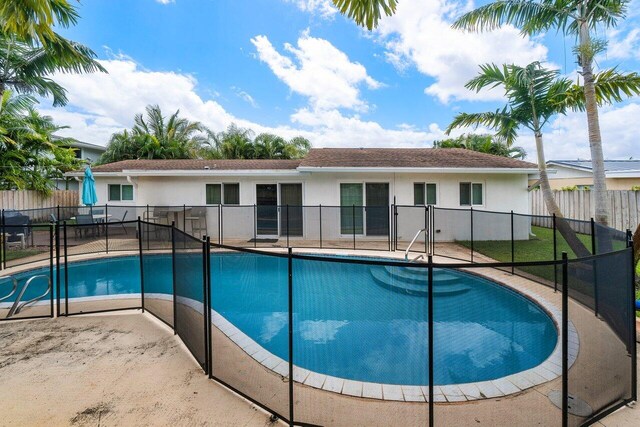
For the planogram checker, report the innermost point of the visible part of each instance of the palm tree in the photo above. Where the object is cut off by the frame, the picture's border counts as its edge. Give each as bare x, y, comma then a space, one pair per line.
156, 137
30, 51
576, 18
366, 12
483, 144
534, 95
26, 69
269, 146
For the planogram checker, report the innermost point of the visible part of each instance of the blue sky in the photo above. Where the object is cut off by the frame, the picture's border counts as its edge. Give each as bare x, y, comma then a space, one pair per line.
298, 67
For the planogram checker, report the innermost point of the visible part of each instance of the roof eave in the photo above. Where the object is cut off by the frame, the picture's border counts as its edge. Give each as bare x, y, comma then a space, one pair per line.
417, 170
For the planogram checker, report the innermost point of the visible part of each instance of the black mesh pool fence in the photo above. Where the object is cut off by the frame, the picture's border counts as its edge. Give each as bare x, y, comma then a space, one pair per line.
157, 271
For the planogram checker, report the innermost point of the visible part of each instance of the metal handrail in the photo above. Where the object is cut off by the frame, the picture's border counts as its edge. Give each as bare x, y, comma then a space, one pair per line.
406, 253
15, 287
17, 307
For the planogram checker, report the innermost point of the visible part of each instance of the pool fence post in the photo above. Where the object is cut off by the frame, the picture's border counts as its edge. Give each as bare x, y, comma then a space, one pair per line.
3, 244
353, 225
430, 338
471, 221
57, 232
426, 215
389, 226
220, 224
320, 212
66, 270
106, 227
147, 225
50, 263
184, 219
432, 227
565, 340
255, 225
513, 251
395, 225
555, 254
208, 308
173, 262
595, 266
141, 264
632, 319
204, 305
287, 209
290, 286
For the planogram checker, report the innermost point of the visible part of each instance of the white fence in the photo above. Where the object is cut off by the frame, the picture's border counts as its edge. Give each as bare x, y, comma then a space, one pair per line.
624, 206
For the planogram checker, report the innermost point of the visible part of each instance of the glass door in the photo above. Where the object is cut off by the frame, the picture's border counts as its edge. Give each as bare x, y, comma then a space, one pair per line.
291, 220
267, 209
377, 209
351, 201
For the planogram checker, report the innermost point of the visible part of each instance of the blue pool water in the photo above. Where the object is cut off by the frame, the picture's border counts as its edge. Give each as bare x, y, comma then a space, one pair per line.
348, 324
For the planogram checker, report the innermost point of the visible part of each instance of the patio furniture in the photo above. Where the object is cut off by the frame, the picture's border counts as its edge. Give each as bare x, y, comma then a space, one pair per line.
14, 239
198, 220
17, 227
87, 224
161, 216
124, 216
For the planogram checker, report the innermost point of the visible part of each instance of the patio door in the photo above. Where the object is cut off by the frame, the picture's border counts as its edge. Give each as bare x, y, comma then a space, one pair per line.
377, 208
267, 209
291, 220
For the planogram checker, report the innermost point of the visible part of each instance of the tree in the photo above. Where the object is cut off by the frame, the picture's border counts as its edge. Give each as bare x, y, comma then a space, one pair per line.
534, 95
578, 18
483, 144
30, 154
366, 12
156, 137
30, 51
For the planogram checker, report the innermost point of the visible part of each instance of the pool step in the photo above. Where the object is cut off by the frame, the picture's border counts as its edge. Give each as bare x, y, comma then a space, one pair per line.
392, 278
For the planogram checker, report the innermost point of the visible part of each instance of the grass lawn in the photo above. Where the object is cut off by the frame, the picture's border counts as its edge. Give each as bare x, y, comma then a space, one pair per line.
21, 253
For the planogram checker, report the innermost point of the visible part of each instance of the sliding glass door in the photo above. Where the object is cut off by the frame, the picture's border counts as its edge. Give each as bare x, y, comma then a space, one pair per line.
291, 209
351, 215
377, 209
267, 209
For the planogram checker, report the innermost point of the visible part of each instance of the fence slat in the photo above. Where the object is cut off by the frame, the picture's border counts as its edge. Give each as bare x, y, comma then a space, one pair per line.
26, 199
624, 206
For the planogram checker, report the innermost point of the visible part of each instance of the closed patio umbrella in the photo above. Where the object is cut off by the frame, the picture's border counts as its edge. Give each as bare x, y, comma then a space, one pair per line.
89, 197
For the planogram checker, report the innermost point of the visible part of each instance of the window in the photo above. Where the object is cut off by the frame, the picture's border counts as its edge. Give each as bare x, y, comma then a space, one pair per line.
471, 194
119, 192
424, 194
227, 194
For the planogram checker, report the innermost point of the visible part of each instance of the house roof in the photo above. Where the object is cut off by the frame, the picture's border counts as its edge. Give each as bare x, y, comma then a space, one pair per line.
197, 164
609, 165
329, 160
407, 158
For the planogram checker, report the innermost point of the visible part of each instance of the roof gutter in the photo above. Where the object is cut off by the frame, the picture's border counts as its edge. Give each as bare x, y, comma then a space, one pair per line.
195, 172
418, 170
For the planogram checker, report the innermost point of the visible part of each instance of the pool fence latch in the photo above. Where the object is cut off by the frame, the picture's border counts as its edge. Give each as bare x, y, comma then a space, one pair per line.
577, 406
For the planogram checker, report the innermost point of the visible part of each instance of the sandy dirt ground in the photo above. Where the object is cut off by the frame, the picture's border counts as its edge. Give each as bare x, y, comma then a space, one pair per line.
109, 370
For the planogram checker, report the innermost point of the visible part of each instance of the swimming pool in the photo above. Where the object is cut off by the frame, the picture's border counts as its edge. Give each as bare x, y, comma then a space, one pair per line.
354, 321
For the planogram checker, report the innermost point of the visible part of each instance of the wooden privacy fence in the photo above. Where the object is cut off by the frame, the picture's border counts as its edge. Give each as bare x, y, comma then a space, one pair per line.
624, 206
26, 199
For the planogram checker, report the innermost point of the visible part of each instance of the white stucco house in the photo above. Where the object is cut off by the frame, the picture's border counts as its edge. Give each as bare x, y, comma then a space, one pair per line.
355, 187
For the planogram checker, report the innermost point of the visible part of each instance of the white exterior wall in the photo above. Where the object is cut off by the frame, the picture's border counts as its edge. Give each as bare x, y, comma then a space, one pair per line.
502, 193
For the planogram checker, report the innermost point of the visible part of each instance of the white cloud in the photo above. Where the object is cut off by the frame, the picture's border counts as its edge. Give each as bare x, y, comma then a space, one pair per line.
420, 35
566, 136
101, 104
318, 70
323, 8
624, 44
244, 96
165, 1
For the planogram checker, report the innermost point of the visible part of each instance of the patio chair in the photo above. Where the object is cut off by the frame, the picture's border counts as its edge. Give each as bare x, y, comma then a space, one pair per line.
198, 220
161, 216
18, 228
87, 224
121, 220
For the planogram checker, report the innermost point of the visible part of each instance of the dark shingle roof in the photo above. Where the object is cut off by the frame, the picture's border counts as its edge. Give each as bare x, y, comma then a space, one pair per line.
196, 164
337, 158
408, 158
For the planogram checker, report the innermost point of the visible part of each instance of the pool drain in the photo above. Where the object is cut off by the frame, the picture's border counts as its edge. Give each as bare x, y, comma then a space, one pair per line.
577, 406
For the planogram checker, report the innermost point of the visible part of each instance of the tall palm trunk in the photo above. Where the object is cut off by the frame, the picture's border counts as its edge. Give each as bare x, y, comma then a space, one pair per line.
562, 225
593, 125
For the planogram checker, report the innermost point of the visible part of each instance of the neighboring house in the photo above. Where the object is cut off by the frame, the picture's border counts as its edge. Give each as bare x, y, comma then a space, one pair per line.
84, 151
336, 178
620, 174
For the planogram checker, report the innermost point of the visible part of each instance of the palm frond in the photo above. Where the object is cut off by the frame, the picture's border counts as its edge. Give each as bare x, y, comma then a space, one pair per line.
366, 13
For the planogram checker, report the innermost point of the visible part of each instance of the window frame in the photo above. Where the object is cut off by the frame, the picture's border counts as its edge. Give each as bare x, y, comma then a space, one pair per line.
362, 183
425, 197
121, 199
222, 193
471, 201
